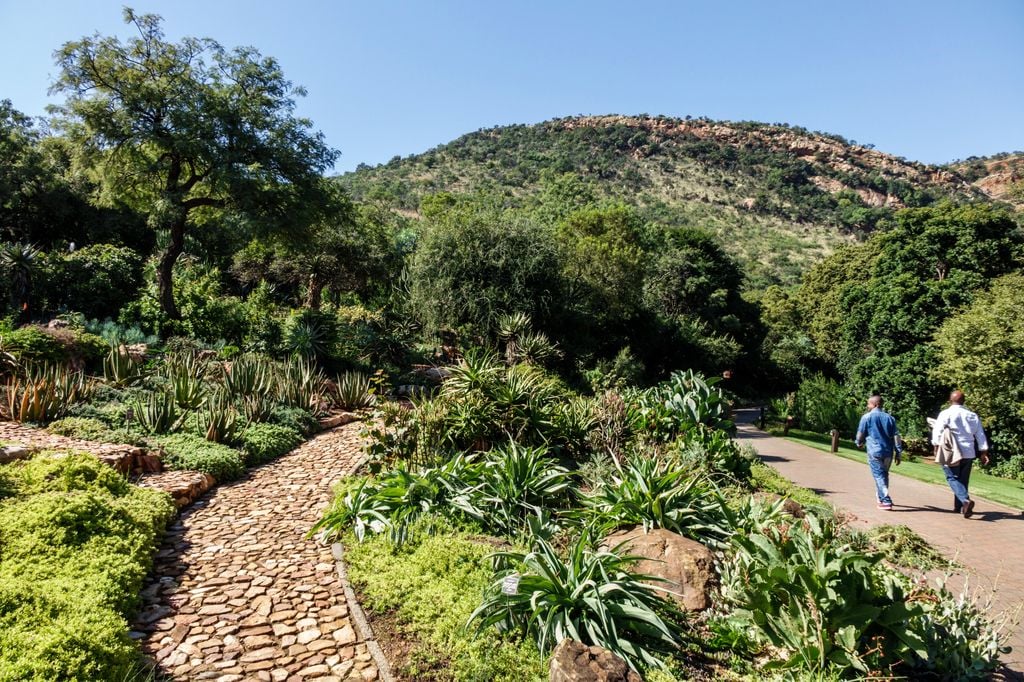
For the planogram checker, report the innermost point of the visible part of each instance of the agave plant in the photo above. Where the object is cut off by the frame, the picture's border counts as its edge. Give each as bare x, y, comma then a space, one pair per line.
257, 408
678, 405
249, 375
592, 596
120, 368
395, 500
219, 422
352, 390
158, 414
646, 492
43, 394
516, 483
300, 384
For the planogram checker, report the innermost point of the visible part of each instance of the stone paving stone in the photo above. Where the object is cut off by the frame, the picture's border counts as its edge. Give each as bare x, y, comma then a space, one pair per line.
239, 593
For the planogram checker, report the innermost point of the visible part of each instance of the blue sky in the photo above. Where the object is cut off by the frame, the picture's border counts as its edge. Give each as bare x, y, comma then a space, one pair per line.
929, 80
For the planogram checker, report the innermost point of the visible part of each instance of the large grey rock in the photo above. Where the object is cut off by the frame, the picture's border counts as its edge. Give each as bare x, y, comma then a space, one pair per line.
9, 453
686, 565
574, 661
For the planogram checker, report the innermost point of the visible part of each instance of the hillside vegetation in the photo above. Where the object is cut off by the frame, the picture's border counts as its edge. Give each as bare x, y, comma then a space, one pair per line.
781, 197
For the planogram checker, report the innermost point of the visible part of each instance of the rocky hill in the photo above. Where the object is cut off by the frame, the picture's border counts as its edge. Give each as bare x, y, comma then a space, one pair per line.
779, 197
1000, 177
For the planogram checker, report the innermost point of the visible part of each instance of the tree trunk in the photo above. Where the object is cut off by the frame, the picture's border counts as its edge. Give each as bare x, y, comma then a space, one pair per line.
315, 292
165, 269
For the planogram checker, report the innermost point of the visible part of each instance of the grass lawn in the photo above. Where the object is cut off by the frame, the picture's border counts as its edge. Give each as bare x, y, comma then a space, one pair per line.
993, 488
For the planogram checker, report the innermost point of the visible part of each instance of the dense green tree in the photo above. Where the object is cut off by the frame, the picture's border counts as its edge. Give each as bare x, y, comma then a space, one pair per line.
602, 264
178, 129
981, 351
873, 309
351, 251
474, 264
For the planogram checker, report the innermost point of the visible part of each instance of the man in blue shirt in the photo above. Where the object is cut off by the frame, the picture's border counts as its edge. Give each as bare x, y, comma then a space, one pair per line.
877, 430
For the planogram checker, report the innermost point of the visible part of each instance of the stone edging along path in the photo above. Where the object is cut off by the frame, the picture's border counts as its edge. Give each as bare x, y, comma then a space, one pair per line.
239, 593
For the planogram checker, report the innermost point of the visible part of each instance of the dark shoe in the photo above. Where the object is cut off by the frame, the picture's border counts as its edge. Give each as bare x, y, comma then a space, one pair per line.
968, 509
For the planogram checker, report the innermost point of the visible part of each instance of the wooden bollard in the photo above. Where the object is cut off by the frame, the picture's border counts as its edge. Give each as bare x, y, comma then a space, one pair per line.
835, 441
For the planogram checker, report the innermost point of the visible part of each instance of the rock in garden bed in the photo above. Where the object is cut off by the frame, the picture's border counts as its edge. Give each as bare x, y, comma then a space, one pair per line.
687, 565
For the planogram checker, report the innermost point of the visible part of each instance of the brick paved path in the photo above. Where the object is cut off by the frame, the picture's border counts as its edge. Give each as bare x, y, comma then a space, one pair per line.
990, 545
239, 593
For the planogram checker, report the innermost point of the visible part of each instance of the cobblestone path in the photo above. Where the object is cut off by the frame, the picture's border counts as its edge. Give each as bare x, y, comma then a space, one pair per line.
239, 593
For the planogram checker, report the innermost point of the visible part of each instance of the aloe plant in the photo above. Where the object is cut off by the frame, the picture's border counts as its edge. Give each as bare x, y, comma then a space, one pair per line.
249, 375
120, 368
592, 596
352, 390
158, 414
257, 408
43, 394
299, 383
219, 421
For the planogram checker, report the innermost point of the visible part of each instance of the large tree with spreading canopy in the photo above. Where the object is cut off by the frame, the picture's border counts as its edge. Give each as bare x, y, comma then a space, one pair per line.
189, 129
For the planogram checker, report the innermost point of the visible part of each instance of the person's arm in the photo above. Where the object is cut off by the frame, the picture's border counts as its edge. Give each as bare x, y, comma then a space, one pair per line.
981, 440
937, 431
897, 441
861, 428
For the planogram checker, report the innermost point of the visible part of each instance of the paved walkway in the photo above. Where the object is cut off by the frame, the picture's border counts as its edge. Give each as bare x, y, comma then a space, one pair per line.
990, 545
239, 593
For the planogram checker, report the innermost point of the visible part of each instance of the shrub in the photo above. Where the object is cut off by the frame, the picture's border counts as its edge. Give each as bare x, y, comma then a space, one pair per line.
714, 452
296, 419
823, 405
264, 442
77, 543
41, 345
93, 280
194, 453
591, 595
828, 607
87, 428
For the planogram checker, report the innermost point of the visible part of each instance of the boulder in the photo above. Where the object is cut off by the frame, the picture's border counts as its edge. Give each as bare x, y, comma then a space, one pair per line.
686, 565
574, 661
9, 453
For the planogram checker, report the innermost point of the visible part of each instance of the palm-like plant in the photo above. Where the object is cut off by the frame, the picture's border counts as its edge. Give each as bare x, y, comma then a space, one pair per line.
20, 261
591, 596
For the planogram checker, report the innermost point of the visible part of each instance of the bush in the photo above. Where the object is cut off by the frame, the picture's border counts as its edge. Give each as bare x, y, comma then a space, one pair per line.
823, 405
264, 442
673, 407
186, 451
87, 428
828, 608
76, 541
96, 280
296, 419
42, 345
432, 586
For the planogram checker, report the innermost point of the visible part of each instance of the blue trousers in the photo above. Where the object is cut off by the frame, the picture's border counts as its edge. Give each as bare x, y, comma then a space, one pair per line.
880, 472
958, 477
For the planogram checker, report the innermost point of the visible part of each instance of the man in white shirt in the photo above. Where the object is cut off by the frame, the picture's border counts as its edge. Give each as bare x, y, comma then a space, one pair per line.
970, 437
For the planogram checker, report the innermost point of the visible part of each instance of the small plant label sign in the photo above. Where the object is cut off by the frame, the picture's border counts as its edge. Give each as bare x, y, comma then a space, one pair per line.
510, 585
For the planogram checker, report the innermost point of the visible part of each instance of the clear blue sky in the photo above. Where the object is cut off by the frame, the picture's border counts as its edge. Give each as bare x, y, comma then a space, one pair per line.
931, 80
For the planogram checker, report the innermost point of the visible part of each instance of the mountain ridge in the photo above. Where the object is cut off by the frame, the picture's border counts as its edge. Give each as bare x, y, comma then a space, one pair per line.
782, 196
